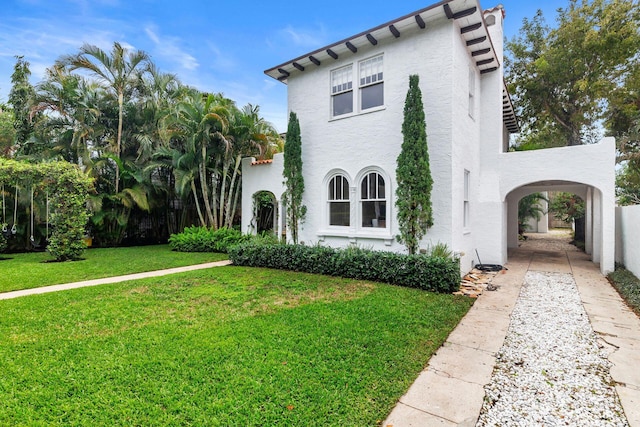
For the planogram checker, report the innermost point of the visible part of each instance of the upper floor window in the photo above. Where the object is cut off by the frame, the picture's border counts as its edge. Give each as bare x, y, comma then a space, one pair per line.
373, 201
342, 90
371, 83
338, 199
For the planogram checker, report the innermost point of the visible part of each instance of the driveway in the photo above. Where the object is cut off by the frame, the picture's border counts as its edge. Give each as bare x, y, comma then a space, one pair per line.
451, 389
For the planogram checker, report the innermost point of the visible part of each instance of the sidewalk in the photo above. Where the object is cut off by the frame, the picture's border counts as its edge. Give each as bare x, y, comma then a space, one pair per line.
450, 390
106, 280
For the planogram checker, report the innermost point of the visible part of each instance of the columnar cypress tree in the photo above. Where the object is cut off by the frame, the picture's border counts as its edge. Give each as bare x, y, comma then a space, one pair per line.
293, 180
413, 196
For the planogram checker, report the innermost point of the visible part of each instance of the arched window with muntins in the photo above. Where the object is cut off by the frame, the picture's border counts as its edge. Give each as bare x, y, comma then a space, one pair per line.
339, 203
373, 202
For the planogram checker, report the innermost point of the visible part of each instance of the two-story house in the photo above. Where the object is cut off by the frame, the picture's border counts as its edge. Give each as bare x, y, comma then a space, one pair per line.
349, 98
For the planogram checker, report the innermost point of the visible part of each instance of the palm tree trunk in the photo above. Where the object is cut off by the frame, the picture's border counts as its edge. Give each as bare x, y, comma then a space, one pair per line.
119, 136
205, 186
195, 197
232, 193
224, 194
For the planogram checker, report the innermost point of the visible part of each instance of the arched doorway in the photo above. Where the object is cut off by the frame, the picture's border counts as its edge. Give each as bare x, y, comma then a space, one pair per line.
265, 212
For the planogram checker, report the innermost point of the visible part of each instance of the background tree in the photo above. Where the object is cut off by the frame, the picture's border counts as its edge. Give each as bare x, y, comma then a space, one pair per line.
561, 78
530, 207
120, 72
21, 99
413, 195
293, 179
7, 131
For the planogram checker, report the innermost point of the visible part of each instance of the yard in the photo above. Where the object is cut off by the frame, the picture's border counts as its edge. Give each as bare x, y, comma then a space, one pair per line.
225, 346
30, 270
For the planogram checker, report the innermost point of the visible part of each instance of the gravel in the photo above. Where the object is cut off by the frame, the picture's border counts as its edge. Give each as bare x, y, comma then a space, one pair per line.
551, 371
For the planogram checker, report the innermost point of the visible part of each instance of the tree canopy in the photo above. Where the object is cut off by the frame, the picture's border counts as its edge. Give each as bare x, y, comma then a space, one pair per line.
163, 155
563, 78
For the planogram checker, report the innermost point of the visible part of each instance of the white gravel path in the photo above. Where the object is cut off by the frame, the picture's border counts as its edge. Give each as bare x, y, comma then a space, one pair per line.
551, 370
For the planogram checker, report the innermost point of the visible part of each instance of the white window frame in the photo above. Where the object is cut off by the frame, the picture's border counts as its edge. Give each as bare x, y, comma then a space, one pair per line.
370, 73
472, 92
341, 83
466, 208
345, 196
361, 200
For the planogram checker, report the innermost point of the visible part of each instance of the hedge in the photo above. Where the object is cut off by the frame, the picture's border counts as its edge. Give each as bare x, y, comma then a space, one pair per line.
435, 274
203, 239
628, 285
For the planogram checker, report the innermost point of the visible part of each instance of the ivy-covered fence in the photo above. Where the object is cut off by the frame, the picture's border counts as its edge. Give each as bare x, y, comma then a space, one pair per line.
68, 188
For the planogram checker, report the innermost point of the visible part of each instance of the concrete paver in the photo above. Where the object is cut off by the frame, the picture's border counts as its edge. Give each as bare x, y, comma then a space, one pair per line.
450, 389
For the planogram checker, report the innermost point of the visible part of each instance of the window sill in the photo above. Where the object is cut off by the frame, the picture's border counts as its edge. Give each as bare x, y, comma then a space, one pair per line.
382, 234
360, 113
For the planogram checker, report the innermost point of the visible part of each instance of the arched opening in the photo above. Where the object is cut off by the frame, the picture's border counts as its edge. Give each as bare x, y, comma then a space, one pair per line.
579, 204
266, 211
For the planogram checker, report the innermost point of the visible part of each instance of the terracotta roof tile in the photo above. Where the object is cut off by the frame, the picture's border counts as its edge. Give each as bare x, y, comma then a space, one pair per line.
261, 162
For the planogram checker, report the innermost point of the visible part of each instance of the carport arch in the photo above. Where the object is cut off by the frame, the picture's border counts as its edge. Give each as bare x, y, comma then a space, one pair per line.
599, 217
590, 166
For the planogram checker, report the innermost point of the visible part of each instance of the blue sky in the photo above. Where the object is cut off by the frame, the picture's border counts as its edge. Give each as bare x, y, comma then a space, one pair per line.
214, 46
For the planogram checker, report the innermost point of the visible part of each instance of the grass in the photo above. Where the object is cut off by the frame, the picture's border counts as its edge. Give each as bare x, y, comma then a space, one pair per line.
30, 270
628, 287
230, 346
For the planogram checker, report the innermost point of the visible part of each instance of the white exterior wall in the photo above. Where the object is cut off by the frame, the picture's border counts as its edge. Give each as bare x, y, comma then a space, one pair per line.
465, 151
491, 212
628, 238
261, 177
352, 144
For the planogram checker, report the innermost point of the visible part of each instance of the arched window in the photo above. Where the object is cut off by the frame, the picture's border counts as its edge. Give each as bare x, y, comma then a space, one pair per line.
373, 202
338, 199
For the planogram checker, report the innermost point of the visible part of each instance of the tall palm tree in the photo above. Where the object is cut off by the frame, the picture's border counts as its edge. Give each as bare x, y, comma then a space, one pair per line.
199, 123
119, 72
251, 136
73, 129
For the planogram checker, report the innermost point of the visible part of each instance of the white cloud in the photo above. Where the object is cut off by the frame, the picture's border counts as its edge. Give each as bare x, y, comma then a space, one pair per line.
307, 38
169, 48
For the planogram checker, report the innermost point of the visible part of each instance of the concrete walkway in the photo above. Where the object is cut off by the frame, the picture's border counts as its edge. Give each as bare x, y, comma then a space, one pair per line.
450, 390
106, 280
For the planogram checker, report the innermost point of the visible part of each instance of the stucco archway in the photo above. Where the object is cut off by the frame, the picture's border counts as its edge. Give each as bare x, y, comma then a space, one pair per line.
587, 171
597, 240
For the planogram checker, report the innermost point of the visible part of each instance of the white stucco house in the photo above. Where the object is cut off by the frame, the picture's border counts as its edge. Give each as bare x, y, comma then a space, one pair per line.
349, 98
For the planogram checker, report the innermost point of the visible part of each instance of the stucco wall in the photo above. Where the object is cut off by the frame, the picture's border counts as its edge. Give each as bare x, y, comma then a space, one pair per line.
352, 144
628, 237
590, 165
256, 178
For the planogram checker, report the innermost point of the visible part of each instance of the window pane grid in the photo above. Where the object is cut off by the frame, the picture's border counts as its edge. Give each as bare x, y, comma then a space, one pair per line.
373, 204
341, 80
371, 71
338, 188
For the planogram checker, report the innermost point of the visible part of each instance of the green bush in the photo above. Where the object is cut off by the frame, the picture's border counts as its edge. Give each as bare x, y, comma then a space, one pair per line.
627, 285
436, 274
203, 239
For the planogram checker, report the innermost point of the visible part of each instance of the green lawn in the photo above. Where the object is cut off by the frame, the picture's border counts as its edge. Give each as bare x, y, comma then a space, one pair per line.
229, 346
25, 271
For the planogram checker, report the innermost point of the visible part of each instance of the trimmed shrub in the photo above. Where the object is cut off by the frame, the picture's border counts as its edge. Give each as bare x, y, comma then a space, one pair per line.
437, 274
203, 239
